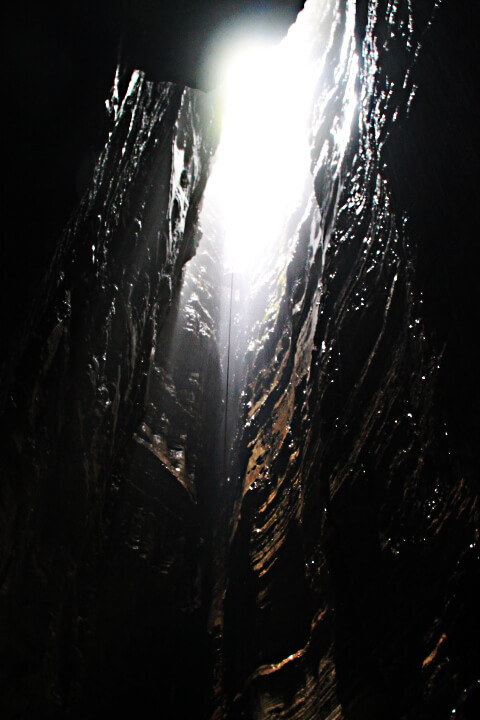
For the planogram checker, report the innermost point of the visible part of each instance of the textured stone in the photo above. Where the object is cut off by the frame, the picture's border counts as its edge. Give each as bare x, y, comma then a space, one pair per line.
352, 528
78, 388
327, 566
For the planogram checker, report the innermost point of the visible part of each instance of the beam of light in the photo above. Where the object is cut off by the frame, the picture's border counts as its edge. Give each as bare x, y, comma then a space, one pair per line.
263, 157
275, 100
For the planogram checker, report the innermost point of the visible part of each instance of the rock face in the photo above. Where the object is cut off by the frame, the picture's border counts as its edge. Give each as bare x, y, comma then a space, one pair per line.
327, 566
148, 647
78, 387
354, 528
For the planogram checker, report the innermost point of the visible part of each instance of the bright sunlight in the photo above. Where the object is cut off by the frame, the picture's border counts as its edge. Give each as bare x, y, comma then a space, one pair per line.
263, 158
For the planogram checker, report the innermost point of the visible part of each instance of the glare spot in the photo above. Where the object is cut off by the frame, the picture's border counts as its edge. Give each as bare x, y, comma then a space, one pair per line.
262, 161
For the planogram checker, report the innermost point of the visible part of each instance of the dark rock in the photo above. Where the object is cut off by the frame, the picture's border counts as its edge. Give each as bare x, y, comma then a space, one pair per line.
76, 389
269, 511
354, 511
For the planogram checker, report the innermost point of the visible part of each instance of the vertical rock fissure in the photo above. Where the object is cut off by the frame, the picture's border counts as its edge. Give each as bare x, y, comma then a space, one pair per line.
333, 470
229, 487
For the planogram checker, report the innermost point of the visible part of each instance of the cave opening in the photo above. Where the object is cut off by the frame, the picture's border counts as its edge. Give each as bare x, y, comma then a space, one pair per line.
252, 192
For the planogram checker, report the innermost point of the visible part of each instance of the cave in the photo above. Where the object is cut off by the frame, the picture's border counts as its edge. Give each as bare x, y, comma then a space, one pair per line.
239, 406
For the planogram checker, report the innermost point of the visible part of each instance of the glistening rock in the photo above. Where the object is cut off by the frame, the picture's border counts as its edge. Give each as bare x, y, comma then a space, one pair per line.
77, 387
336, 574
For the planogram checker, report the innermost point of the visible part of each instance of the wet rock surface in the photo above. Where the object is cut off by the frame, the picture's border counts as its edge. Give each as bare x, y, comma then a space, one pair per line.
354, 561
335, 573
77, 388
149, 649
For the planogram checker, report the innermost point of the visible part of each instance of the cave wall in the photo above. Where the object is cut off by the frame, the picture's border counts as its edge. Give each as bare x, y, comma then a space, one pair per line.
149, 650
77, 386
352, 573
336, 574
